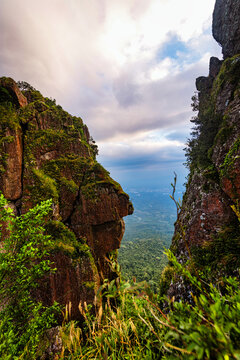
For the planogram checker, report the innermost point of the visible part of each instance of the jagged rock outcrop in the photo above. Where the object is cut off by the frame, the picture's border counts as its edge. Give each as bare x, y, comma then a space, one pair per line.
226, 30
47, 153
207, 229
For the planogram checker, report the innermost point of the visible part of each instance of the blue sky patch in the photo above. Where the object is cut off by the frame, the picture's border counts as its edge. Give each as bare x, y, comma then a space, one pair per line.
171, 48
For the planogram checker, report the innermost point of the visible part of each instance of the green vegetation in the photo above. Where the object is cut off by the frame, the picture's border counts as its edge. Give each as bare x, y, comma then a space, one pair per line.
65, 241
45, 186
206, 125
230, 158
127, 323
144, 260
209, 125
148, 233
221, 254
206, 328
8, 129
5, 97
229, 73
23, 261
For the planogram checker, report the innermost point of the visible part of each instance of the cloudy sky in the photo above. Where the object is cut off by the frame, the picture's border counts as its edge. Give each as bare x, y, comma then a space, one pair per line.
127, 67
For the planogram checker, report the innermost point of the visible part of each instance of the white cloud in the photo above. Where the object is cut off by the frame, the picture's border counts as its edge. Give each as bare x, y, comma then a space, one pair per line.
98, 59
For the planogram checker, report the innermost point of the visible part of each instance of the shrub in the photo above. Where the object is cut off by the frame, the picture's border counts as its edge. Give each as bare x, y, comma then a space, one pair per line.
23, 261
137, 328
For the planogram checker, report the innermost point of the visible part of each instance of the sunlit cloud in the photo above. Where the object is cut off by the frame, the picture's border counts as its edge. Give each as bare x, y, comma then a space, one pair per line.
126, 67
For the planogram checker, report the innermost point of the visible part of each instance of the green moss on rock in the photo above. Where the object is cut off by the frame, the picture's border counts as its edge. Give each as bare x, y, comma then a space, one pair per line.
89, 285
8, 117
166, 279
44, 186
229, 161
221, 253
65, 240
229, 73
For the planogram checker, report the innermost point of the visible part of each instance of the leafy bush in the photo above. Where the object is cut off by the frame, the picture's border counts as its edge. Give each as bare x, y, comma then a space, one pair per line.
23, 261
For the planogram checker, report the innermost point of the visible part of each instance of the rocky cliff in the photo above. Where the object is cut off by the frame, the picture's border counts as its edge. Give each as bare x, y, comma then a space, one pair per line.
47, 153
207, 231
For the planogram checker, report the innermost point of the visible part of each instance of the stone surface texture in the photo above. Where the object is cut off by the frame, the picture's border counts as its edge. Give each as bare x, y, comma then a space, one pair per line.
226, 26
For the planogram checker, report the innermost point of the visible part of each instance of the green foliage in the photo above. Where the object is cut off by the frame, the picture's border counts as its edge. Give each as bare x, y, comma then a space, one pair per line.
24, 86
29, 91
209, 328
65, 241
229, 73
23, 261
72, 127
209, 126
206, 126
221, 254
230, 158
5, 96
8, 127
8, 117
165, 279
45, 186
112, 333
148, 232
137, 328
143, 260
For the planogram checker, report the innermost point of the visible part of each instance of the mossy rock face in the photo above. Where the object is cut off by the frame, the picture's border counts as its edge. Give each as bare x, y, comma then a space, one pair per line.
76, 279
10, 150
167, 277
47, 153
230, 159
229, 172
75, 282
228, 75
56, 145
66, 241
10, 93
226, 148
207, 225
221, 255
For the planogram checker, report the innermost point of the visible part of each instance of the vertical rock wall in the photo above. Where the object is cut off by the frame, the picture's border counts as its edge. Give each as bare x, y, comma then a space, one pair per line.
207, 230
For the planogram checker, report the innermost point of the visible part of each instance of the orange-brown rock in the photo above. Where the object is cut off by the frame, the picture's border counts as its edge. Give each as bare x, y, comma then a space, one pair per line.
11, 181
18, 98
72, 284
